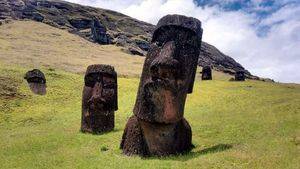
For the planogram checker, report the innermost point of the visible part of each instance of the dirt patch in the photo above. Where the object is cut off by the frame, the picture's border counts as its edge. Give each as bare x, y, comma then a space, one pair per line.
9, 88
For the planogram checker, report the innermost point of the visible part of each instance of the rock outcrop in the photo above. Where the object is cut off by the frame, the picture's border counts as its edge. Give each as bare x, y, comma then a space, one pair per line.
105, 27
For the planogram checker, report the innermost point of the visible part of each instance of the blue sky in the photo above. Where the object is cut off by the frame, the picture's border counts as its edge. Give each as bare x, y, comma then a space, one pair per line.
262, 35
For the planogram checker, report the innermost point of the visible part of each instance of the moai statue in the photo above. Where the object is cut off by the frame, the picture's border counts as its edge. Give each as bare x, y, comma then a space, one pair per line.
36, 81
99, 99
206, 73
158, 127
239, 75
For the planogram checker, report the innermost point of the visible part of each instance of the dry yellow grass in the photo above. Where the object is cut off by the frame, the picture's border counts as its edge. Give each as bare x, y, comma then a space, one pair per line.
37, 45
34, 45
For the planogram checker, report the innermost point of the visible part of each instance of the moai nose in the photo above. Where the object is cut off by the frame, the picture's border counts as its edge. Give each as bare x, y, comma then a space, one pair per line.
165, 65
97, 90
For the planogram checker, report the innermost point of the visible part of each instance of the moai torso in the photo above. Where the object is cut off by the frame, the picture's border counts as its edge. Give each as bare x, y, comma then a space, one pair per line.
168, 76
99, 99
36, 81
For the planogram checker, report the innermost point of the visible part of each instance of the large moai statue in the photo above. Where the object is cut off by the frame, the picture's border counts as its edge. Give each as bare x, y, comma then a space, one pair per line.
99, 99
206, 73
36, 81
239, 75
158, 127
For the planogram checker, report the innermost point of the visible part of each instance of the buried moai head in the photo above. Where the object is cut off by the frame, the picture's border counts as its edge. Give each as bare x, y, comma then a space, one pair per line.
37, 81
169, 69
239, 75
206, 73
99, 99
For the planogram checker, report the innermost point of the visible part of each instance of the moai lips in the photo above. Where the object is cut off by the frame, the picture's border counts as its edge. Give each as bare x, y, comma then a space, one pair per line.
168, 76
206, 73
36, 81
99, 99
239, 75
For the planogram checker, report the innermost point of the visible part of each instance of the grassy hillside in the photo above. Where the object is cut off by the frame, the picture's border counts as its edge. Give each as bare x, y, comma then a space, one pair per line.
248, 124
35, 45
235, 125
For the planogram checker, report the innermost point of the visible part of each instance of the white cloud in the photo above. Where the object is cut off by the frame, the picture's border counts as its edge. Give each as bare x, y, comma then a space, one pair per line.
275, 55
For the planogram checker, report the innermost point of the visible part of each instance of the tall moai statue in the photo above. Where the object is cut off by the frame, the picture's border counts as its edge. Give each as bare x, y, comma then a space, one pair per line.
158, 127
99, 99
239, 75
36, 81
206, 73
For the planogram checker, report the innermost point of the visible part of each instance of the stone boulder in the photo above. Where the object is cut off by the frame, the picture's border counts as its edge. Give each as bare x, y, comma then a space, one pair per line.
239, 76
99, 34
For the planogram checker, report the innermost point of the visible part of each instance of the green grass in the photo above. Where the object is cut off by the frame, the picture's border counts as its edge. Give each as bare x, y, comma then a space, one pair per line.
248, 124
235, 125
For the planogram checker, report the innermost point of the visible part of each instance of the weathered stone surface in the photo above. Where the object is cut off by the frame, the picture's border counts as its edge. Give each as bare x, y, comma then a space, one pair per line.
99, 33
239, 76
80, 23
143, 45
168, 76
36, 81
135, 51
206, 73
99, 99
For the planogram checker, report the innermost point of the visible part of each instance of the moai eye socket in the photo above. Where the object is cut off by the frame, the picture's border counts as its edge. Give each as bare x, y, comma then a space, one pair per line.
35, 80
108, 93
108, 82
91, 79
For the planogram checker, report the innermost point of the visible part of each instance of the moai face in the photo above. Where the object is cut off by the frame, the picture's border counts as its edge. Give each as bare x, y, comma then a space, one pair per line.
169, 70
240, 76
37, 81
99, 100
206, 73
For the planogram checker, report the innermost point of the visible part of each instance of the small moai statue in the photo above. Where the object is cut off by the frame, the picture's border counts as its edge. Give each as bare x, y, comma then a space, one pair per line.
99, 99
239, 75
36, 81
158, 127
206, 73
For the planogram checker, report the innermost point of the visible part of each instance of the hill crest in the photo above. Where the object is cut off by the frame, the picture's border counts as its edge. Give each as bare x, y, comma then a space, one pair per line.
121, 30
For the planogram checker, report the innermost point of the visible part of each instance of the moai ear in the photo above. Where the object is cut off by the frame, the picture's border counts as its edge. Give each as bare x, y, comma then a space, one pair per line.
191, 85
116, 94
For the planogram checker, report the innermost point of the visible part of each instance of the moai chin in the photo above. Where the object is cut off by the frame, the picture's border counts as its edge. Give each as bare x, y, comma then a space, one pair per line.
99, 99
239, 75
158, 127
36, 81
206, 73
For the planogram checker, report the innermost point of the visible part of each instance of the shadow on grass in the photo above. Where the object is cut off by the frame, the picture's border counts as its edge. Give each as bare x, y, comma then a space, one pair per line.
101, 133
188, 156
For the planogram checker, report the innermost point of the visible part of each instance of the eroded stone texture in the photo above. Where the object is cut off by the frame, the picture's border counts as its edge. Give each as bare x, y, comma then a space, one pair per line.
99, 99
158, 126
99, 32
206, 73
36, 81
239, 76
